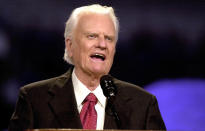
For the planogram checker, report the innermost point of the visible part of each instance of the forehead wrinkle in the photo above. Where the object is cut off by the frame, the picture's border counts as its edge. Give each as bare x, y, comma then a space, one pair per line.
92, 18
98, 33
85, 25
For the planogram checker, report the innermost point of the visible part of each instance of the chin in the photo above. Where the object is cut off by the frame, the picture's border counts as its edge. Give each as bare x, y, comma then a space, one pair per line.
99, 72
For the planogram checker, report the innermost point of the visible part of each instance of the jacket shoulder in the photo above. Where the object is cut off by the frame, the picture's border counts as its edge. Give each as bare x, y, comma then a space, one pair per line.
126, 88
46, 84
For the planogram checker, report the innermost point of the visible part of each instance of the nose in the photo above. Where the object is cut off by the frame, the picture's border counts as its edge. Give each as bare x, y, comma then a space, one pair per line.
102, 43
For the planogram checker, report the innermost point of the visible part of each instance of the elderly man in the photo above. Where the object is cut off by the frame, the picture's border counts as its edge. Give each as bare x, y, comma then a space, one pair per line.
75, 99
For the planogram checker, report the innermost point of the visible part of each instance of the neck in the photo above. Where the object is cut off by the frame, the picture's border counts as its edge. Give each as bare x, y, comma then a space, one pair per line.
89, 80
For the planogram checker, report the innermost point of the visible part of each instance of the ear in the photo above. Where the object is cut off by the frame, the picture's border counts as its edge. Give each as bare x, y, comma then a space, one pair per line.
69, 46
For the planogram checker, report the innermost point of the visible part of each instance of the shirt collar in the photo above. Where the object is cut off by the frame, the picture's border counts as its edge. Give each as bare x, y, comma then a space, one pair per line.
81, 91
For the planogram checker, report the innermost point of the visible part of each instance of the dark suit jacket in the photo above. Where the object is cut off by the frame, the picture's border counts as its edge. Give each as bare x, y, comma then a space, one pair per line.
51, 104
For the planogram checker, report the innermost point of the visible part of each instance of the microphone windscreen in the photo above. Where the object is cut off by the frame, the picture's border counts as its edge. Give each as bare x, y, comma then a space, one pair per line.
107, 86
105, 78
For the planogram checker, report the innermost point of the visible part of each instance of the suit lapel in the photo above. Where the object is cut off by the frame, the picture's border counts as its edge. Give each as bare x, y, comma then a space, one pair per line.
109, 120
63, 103
120, 104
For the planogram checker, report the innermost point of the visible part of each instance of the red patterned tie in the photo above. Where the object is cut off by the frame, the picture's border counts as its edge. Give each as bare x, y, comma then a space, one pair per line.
88, 114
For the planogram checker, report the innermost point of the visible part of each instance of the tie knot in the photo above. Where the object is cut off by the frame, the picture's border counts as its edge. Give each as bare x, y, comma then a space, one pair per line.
92, 98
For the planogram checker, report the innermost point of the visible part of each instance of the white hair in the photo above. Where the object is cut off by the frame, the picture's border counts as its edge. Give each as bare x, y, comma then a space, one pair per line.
74, 17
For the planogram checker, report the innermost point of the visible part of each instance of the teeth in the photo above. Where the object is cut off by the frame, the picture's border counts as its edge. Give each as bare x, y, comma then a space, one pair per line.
101, 56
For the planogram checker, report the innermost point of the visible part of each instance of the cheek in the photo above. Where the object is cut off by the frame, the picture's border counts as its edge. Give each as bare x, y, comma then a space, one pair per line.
111, 56
77, 52
112, 52
83, 53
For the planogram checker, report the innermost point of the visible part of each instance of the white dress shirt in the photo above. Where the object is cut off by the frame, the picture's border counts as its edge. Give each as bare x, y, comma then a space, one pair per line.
81, 91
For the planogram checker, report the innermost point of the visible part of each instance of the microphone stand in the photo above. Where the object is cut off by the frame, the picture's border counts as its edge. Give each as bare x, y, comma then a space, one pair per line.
111, 105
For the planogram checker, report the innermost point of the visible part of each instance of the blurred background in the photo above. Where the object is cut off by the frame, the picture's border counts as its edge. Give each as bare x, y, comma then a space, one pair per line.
161, 48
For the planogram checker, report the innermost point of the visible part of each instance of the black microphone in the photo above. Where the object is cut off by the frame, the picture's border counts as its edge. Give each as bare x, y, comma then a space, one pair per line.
110, 91
108, 87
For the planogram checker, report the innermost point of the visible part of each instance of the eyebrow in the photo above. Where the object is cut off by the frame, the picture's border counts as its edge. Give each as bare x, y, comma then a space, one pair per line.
106, 35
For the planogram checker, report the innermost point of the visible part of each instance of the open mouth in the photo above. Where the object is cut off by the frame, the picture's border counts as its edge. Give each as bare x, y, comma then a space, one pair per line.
98, 56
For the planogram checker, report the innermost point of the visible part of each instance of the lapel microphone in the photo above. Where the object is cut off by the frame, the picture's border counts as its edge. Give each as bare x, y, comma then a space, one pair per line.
110, 91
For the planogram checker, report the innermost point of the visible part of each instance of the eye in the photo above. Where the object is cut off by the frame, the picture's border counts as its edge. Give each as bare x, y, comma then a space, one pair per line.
109, 38
91, 36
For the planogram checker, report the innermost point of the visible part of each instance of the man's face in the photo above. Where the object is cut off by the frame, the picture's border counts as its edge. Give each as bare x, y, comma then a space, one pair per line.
92, 47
